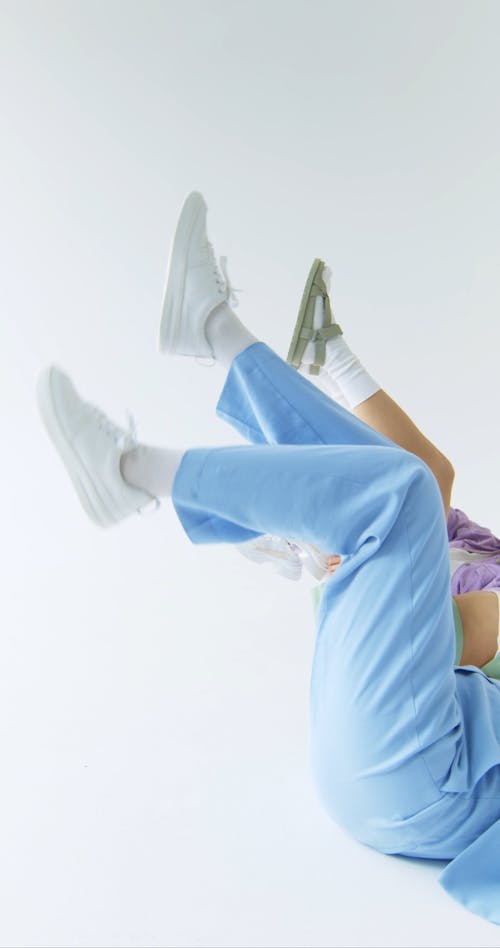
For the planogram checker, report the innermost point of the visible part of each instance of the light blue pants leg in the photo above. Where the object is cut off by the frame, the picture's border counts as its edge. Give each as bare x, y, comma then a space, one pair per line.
390, 751
270, 403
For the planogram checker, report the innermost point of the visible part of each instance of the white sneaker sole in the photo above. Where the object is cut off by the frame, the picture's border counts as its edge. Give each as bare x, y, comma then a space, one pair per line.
82, 481
171, 321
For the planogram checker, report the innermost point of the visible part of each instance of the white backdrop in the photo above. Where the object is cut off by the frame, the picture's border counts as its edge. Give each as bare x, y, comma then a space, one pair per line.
154, 695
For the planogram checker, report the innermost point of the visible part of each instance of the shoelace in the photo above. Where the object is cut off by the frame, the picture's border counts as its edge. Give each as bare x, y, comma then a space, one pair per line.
221, 275
125, 439
231, 290
121, 437
130, 439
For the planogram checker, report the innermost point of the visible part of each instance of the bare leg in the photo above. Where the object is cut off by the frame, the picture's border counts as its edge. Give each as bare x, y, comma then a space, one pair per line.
384, 415
358, 390
479, 610
479, 614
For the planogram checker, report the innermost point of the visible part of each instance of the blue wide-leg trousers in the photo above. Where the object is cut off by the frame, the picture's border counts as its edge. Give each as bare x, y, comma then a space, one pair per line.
398, 752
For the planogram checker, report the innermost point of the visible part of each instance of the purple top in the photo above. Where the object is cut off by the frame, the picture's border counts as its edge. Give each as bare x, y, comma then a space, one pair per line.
467, 535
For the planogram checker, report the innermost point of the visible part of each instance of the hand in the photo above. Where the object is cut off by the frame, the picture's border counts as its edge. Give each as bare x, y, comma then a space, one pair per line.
332, 563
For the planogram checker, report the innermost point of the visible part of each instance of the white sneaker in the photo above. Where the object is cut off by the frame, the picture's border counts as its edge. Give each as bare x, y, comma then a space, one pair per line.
287, 556
195, 285
90, 446
313, 559
274, 550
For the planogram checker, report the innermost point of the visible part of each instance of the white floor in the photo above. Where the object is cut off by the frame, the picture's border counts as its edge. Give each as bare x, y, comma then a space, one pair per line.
154, 696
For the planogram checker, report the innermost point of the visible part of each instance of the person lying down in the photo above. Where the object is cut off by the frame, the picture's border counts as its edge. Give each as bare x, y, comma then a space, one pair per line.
319, 349
404, 742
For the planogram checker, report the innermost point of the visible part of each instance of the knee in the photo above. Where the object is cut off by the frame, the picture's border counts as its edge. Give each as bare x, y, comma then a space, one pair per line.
444, 473
438, 465
423, 487
417, 469
448, 471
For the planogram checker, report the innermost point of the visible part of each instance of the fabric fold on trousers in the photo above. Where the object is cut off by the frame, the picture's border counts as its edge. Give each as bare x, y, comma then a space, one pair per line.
260, 398
405, 748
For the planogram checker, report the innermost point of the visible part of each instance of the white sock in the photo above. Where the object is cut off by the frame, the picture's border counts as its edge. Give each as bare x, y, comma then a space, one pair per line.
327, 381
152, 469
331, 389
226, 334
342, 368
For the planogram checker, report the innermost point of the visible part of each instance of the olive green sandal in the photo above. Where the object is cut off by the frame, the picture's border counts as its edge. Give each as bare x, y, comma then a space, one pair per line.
304, 331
